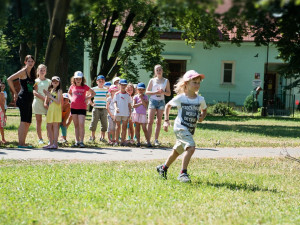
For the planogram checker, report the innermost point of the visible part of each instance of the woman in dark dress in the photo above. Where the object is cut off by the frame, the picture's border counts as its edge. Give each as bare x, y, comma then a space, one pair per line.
24, 98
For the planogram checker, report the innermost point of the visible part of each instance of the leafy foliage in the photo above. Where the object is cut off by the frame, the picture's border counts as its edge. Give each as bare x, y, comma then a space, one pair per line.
223, 109
251, 103
269, 21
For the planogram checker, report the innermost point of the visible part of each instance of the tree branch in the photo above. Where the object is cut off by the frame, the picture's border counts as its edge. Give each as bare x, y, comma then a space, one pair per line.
109, 37
109, 64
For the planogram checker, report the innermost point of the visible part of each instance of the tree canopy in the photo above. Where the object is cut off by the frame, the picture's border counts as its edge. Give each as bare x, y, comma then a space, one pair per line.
116, 32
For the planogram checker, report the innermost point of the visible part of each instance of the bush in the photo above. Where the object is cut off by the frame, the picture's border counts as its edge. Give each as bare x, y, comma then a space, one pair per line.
251, 103
223, 109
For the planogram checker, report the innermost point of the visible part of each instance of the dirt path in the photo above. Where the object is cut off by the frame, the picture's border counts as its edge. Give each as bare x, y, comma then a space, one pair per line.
128, 153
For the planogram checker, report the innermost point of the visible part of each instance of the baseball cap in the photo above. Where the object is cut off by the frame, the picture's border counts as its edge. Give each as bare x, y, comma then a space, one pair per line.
101, 77
107, 84
78, 74
113, 88
55, 78
65, 95
191, 74
115, 79
123, 81
141, 86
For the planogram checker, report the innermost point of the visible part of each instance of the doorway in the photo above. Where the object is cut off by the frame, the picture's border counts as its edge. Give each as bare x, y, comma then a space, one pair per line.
176, 69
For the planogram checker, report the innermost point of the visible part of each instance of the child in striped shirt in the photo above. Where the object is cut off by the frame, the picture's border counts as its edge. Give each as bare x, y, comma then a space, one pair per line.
99, 111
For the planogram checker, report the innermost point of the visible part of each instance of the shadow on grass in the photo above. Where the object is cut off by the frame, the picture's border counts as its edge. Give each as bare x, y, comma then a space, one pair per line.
273, 131
11, 127
235, 186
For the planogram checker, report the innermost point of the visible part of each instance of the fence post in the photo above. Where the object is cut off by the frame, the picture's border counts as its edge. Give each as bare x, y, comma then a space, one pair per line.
228, 99
294, 105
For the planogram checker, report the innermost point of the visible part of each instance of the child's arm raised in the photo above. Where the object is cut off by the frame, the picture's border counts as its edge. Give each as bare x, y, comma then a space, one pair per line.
57, 100
144, 101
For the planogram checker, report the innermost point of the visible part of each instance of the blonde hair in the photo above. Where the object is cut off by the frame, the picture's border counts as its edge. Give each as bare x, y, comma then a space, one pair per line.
156, 66
39, 68
180, 86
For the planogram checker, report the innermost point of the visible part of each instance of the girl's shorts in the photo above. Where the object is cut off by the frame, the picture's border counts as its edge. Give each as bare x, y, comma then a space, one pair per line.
156, 104
184, 139
78, 112
139, 118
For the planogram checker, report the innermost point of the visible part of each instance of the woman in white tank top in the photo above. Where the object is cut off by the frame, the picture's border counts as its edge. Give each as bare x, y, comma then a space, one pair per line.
158, 88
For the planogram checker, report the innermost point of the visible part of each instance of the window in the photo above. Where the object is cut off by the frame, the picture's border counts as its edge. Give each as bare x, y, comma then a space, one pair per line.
228, 72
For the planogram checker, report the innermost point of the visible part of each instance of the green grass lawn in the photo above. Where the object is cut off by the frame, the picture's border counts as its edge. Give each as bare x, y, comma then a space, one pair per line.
229, 131
223, 191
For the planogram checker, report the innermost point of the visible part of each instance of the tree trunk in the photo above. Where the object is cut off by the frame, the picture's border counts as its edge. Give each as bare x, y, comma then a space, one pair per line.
56, 37
23, 50
107, 66
63, 66
96, 48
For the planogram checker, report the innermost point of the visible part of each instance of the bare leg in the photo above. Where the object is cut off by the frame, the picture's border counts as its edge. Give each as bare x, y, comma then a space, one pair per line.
102, 134
144, 126
76, 126
187, 157
2, 135
39, 119
55, 133
50, 132
151, 115
124, 129
81, 122
159, 116
137, 132
131, 129
171, 158
118, 123
22, 132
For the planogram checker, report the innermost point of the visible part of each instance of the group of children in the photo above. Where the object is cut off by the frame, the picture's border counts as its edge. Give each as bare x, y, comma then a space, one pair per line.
118, 107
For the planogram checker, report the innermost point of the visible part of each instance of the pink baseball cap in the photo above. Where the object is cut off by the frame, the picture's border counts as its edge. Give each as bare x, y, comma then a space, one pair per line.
113, 88
191, 74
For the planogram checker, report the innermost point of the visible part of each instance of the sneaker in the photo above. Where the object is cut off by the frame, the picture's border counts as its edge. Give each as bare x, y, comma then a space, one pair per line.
91, 139
81, 145
41, 142
116, 143
184, 178
76, 145
138, 144
149, 145
161, 171
102, 140
124, 143
156, 143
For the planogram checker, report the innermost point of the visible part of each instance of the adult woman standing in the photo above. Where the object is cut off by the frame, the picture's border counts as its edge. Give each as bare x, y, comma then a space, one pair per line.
158, 87
24, 99
39, 97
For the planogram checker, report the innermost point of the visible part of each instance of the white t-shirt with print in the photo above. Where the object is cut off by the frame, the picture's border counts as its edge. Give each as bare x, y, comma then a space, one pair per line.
188, 112
122, 103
